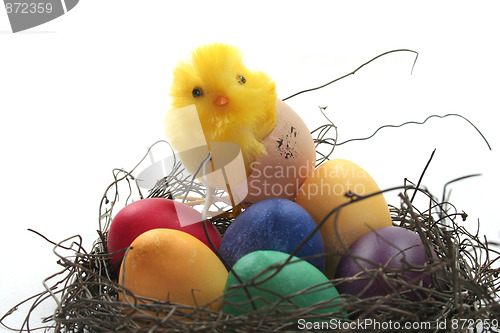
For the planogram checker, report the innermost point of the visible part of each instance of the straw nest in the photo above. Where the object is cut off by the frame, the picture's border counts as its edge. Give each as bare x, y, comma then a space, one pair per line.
464, 295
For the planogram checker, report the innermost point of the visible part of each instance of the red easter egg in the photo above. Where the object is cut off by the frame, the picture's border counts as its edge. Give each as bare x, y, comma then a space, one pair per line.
154, 213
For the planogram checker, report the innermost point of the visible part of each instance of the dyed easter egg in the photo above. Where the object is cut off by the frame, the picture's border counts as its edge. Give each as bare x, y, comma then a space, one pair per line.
267, 285
273, 224
328, 188
143, 215
393, 249
290, 159
171, 265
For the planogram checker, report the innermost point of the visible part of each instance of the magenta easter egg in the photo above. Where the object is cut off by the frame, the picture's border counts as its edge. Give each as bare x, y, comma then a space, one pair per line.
154, 213
394, 249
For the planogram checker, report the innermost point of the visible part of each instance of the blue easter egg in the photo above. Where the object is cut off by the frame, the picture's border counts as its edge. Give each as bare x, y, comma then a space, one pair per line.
273, 224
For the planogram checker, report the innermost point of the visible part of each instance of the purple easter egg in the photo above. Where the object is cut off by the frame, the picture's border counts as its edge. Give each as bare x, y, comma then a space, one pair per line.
273, 224
398, 250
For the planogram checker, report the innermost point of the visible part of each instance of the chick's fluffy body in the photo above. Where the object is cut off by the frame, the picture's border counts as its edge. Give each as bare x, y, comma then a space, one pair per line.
248, 117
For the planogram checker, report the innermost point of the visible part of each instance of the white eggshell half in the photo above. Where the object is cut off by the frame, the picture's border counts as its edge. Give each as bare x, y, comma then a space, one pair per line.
290, 159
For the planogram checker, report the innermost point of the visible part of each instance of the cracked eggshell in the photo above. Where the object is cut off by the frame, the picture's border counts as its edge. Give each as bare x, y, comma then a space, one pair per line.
290, 159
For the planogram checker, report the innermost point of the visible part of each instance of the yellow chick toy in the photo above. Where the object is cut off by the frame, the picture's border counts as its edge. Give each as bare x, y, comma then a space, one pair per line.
222, 109
234, 104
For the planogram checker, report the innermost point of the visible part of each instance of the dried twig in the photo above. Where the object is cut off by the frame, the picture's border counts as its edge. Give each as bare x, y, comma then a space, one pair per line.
466, 280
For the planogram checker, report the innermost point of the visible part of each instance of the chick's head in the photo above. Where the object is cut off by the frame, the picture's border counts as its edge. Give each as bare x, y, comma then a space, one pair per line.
234, 104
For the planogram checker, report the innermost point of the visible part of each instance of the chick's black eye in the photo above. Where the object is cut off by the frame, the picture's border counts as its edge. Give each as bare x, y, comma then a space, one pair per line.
197, 92
241, 79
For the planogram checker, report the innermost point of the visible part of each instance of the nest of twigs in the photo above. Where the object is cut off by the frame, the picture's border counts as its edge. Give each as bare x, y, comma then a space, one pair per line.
86, 290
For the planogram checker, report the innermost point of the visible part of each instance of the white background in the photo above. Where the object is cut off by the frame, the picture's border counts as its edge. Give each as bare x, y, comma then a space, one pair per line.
87, 92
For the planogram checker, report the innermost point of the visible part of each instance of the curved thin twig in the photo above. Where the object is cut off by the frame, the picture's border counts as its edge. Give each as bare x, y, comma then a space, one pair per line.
357, 69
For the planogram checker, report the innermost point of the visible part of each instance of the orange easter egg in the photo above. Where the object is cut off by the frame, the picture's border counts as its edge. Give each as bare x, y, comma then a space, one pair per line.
171, 265
326, 189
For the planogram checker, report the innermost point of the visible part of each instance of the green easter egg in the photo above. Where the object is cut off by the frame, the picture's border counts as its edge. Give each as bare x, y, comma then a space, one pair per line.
297, 285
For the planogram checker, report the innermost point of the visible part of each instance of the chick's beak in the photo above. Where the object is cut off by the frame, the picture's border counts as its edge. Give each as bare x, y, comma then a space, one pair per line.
221, 101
